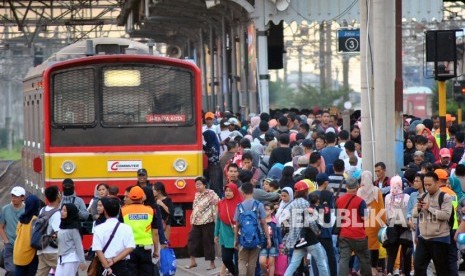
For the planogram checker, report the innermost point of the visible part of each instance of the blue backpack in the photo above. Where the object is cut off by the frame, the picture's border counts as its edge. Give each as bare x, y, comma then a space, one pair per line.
250, 234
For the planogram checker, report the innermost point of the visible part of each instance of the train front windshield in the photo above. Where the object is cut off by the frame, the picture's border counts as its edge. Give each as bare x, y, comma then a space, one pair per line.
142, 104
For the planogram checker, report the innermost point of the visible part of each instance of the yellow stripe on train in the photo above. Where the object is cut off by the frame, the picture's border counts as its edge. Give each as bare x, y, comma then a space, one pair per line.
110, 165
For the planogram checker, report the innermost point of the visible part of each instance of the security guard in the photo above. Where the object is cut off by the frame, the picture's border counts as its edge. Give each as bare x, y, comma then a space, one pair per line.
141, 219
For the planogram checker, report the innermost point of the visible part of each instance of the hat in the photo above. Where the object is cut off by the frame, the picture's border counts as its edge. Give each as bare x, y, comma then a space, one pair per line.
136, 193
18, 191
234, 134
444, 152
330, 129
232, 121
142, 172
302, 160
268, 179
307, 143
442, 174
209, 115
450, 118
300, 186
321, 178
351, 183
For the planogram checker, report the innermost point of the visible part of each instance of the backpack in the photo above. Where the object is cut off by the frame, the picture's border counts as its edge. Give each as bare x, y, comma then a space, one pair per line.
440, 201
250, 234
40, 239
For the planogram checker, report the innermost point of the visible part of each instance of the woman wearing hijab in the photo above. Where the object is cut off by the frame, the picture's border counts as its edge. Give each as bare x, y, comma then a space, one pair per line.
212, 150
224, 227
24, 256
433, 147
375, 205
70, 250
397, 233
282, 214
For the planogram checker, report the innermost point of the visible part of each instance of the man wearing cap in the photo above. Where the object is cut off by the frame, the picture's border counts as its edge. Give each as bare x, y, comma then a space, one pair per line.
351, 210
445, 160
9, 219
209, 120
69, 196
141, 219
144, 183
232, 124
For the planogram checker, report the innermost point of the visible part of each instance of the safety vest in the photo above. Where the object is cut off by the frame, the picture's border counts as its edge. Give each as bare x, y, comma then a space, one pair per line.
455, 203
140, 218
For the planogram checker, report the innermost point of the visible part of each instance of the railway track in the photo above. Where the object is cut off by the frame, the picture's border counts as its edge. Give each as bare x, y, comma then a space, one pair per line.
10, 176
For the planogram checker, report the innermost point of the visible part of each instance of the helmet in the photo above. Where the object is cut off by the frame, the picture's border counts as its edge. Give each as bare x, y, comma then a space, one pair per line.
382, 235
461, 242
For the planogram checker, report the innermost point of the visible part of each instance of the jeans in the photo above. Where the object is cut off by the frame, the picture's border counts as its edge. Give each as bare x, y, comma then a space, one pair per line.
8, 259
140, 262
360, 247
317, 251
327, 244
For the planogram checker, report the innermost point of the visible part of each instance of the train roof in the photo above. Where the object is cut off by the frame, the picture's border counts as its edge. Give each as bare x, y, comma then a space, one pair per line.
418, 90
79, 49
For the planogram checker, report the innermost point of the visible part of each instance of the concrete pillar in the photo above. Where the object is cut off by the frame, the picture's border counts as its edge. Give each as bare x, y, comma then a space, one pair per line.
212, 71
328, 55
203, 68
262, 44
234, 73
384, 80
366, 78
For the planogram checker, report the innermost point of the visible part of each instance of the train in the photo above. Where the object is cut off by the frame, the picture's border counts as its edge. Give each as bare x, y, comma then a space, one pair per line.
101, 109
418, 101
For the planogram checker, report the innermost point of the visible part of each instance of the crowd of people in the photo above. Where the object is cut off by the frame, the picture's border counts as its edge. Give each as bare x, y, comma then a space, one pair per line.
301, 173
127, 234
281, 194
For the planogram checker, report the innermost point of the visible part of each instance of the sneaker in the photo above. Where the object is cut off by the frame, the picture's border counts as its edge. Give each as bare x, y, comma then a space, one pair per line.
301, 243
396, 272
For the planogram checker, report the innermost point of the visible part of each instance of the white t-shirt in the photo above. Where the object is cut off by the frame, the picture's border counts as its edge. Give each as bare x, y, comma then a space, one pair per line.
53, 226
124, 238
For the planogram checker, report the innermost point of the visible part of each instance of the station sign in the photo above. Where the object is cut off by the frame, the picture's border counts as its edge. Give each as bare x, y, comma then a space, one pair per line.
348, 40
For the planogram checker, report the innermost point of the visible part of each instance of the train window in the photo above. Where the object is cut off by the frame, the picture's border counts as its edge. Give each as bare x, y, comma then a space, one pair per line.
155, 95
73, 97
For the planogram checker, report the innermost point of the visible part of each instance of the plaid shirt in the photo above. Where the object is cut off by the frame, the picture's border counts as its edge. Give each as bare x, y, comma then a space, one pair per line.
296, 208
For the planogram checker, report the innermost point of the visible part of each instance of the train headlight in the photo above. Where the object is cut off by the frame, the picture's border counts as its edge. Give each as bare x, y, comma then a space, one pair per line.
180, 165
68, 167
180, 184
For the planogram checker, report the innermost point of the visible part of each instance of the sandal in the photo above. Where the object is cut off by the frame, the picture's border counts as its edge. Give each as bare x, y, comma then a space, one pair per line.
211, 268
190, 266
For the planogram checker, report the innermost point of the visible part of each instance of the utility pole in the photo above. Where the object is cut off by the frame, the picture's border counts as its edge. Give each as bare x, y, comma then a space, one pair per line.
322, 57
328, 57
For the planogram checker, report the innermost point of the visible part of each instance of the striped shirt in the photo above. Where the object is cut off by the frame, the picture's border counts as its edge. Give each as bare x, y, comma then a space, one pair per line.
334, 183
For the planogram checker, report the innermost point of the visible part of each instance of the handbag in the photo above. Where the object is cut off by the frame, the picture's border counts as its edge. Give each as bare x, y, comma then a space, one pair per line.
307, 235
281, 264
336, 227
167, 262
95, 266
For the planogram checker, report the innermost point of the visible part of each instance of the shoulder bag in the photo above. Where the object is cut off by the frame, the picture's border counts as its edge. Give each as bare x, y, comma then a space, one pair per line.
337, 228
95, 266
